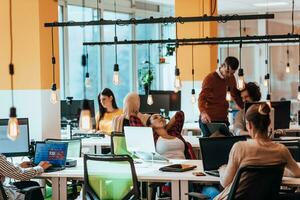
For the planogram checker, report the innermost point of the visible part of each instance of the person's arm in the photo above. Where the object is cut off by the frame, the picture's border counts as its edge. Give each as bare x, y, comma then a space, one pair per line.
206, 92
176, 122
227, 173
97, 121
239, 124
292, 168
235, 93
7, 169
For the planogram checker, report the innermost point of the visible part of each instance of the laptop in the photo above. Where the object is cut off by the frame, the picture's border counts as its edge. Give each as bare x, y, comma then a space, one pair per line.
215, 152
54, 153
140, 142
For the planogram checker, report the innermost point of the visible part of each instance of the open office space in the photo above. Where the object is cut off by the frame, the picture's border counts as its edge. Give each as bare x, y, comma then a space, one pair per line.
149, 99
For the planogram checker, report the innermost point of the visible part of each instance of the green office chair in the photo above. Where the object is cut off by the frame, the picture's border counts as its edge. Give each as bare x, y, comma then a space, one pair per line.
118, 144
110, 177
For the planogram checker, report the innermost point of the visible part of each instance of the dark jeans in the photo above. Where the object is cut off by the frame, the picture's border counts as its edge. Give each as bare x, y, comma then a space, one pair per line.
35, 194
204, 129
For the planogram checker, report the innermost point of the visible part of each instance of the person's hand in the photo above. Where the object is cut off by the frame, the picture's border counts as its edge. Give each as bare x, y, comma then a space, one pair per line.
44, 164
26, 164
205, 118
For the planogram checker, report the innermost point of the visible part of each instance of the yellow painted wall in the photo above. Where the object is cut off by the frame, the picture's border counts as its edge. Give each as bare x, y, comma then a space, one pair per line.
32, 44
205, 57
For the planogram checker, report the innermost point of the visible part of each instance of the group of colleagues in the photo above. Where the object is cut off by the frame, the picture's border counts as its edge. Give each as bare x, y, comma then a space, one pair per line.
259, 150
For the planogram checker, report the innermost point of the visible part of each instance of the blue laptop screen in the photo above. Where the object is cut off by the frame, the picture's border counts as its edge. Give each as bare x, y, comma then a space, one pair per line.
54, 153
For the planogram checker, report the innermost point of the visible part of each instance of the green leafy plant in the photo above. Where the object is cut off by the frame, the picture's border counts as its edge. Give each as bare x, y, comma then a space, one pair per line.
147, 78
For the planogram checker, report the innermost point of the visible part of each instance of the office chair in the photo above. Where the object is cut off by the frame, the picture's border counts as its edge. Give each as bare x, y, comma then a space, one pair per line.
118, 144
110, 177
74, 151
254, 182
27, 191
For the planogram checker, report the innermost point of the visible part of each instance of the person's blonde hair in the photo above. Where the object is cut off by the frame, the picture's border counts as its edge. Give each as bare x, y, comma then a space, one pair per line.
131, 104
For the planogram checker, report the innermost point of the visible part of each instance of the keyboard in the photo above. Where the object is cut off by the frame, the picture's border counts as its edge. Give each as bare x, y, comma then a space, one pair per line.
54, 169
149, 156
213, 173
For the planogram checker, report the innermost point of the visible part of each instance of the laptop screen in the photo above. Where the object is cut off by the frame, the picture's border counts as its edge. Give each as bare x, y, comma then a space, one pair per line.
215, 151
54, 153
139, 139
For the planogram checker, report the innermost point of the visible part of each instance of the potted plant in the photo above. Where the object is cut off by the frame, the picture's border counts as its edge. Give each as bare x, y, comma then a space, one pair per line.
146, 80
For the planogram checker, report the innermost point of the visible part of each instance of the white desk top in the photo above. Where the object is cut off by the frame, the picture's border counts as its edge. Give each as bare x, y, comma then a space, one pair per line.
95, 141
148, 171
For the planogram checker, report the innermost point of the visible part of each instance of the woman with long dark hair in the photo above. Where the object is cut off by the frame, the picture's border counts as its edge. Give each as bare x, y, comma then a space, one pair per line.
108, 109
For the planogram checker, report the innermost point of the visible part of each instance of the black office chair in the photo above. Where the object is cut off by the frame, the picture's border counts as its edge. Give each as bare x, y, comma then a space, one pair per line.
254, 182
104, 173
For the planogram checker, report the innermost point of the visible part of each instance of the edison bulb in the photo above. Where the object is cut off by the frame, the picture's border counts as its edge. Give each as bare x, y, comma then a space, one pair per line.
298, 97
241, 83
85, 121
193, 99
116, 79
150, 100
228, 96
13, 128
266, 82
176, 89
88, 82
287, 69
177, 83
53, 97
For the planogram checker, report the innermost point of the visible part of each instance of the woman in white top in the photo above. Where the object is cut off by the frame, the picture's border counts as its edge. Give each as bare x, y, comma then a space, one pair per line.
260, 150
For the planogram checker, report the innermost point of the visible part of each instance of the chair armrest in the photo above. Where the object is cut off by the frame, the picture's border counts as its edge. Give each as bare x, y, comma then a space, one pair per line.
197, 195
29, 189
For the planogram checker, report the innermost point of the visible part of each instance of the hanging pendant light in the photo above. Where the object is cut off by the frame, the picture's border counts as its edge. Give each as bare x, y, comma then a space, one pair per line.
116, 78
13, 125
53, 95
267, 76
193, 78
149, 98
240, 82
228, 94
88, 82
177, 82
193, 96
287, 68
269, 100
266, 80
298, 96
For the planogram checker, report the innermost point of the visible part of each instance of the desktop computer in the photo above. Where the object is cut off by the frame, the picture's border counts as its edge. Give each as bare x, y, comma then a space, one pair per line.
19, 147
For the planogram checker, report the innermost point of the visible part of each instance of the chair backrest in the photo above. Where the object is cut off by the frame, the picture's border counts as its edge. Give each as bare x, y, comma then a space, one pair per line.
257, 182
74, 146
118, 144
110, 177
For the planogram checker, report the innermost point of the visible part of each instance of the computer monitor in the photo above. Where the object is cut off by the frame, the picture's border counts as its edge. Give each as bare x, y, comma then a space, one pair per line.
282, 112
70, 109
175, 98
160, 101
19, 147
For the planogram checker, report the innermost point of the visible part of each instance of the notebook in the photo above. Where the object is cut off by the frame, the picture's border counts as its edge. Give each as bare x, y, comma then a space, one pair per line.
54, 153
140, 142
215, 152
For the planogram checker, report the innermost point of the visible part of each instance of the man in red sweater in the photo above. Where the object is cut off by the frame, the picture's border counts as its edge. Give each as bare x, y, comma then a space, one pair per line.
212, 99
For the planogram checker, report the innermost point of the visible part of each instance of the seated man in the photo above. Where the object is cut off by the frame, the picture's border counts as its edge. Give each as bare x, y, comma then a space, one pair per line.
251, 93
23, 172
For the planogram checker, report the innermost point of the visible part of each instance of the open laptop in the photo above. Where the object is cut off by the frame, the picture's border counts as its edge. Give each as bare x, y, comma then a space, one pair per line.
215, 152
140, 142
54, 153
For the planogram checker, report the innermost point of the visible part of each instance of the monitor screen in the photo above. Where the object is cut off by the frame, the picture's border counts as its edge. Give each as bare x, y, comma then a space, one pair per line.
54, 153
19, 147
282, 112
160, 101
70, 110
175, 98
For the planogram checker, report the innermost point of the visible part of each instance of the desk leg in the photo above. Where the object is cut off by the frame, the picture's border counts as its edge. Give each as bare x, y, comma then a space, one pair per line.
175, 190
55, 188
63, 188
184, 188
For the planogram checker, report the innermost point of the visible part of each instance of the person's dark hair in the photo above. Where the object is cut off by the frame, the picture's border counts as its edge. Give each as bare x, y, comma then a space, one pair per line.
253, 91
259, 115
232, 62
106, 92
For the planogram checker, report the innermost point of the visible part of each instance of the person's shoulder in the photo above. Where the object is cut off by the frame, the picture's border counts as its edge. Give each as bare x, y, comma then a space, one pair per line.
240, 145
211, 75
119, 111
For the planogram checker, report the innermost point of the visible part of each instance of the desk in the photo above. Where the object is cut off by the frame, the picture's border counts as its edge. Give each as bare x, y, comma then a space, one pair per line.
96, 143
190, 126
146, 172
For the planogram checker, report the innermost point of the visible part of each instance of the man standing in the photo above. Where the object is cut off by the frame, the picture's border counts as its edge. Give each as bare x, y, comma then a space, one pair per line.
212, 102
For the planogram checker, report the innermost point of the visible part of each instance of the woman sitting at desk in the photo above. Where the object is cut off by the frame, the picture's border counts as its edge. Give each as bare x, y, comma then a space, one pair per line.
108, 109
260, 150
168, 138
23, 172
131, 107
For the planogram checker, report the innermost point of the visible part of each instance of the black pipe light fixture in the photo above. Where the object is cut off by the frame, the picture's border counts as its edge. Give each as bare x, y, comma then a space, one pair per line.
298, 96
267, 76
85, 119
13, 124
177, 82
116, 78
193, 78
87, 81
150, 97
287, 67
240, 82
53, 95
